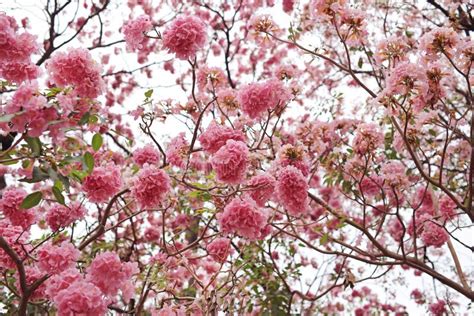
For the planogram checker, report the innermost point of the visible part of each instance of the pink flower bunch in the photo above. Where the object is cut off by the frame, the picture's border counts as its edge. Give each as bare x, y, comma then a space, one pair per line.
438, 308
260, 26
261, 187
151, 186
10, 205
147, 154
15, 52
438, 41
55, 259
211, 78
32, 274
16, 239
324, 10
407, 78
368, 138
77, 68
393, 173
216, 135
288, 5
230, 162
103, 183
177, 151
219, 249
353, 26
434, 234
107, 267
256, 98
227, 100
185, 36
393, 49
371, 186
134, 32
61, 216
290, 155
61, 281
395, 229
447, 207
242, 217
292, 190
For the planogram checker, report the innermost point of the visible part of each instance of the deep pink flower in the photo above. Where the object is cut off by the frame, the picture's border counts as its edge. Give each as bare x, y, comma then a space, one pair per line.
134, 31
55, 259
438, 308
219, 249
215, 136
110, 275
103, 183
434, 234
151, 186
185, 36
177, 151
447, 207
147, 154
230, 162
242, 217
261, 188
17, 240
10, 205
292, 190
78, 69
61, 216
256, 98
18, 72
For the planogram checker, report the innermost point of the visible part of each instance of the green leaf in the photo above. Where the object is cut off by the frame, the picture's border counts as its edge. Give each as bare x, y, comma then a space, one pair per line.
78, 175
7, 118
58, 195
35, 145
89, 161
85, 118
149, 93
97, 141
360, 63
324, 239
37, 175
31, 200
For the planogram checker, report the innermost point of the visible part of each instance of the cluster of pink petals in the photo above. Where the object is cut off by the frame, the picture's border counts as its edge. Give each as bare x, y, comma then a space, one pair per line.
368, 137
134, 31
211, 78
55, 259
230, 162
261, 188
288, 5
10, 206
16, 239
185, 36
58, 282
103, 183
60, 216
256, 98
216, 135
447, 207
292, 190
219, 249
227, 100
438, 308
290, 155
110, 275
324, 10
177, 151
393, 173
440, 40
406, 78
147, 154
434, 234
243, 217
151, 186
32, 274
371, 186
15, 52
78, 69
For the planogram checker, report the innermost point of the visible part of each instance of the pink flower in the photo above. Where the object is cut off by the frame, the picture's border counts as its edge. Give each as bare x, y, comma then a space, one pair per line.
447, 207
77, 68
227, 100
177, 151
110, 275
14, 46
10, 205
102, 183
61, 281
242, 216
61, 216
185, 36
16, 239
288, 5
55, 259
147, 154
80, 298
134, 31
256, 98
151, 186
368, 138
324, 10
434, 234
371, 186
395, 229
393, 173
219, 249
290, 155
215, 136
439, 40
18, 72
230, 162
261, 188
438, 308
32, 274
292, 190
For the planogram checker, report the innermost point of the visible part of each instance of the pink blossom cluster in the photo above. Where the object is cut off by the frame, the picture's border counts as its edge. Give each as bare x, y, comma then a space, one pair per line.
10, 206
16, 238
324, 10
211, 78
15, 52
368, 138
219, 249
292, 190
434, 234
230, 162
59, 216
147, 154
150, 186
261, 188
103, 183
256, 98
216, 136
227, 99
177, 151
134, 32
243, 217
441, 40
76, 68
54, 259
290, 155
185, 36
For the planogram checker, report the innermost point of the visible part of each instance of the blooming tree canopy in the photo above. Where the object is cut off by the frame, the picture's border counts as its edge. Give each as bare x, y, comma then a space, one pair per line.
241, 157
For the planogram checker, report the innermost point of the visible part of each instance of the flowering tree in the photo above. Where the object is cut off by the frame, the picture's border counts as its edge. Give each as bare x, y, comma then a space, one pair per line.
196, 157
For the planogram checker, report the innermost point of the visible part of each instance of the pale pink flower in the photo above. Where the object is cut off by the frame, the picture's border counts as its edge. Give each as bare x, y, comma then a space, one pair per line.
80, 298
177, 151
368, 138
134, 31
290, 155
61, 216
